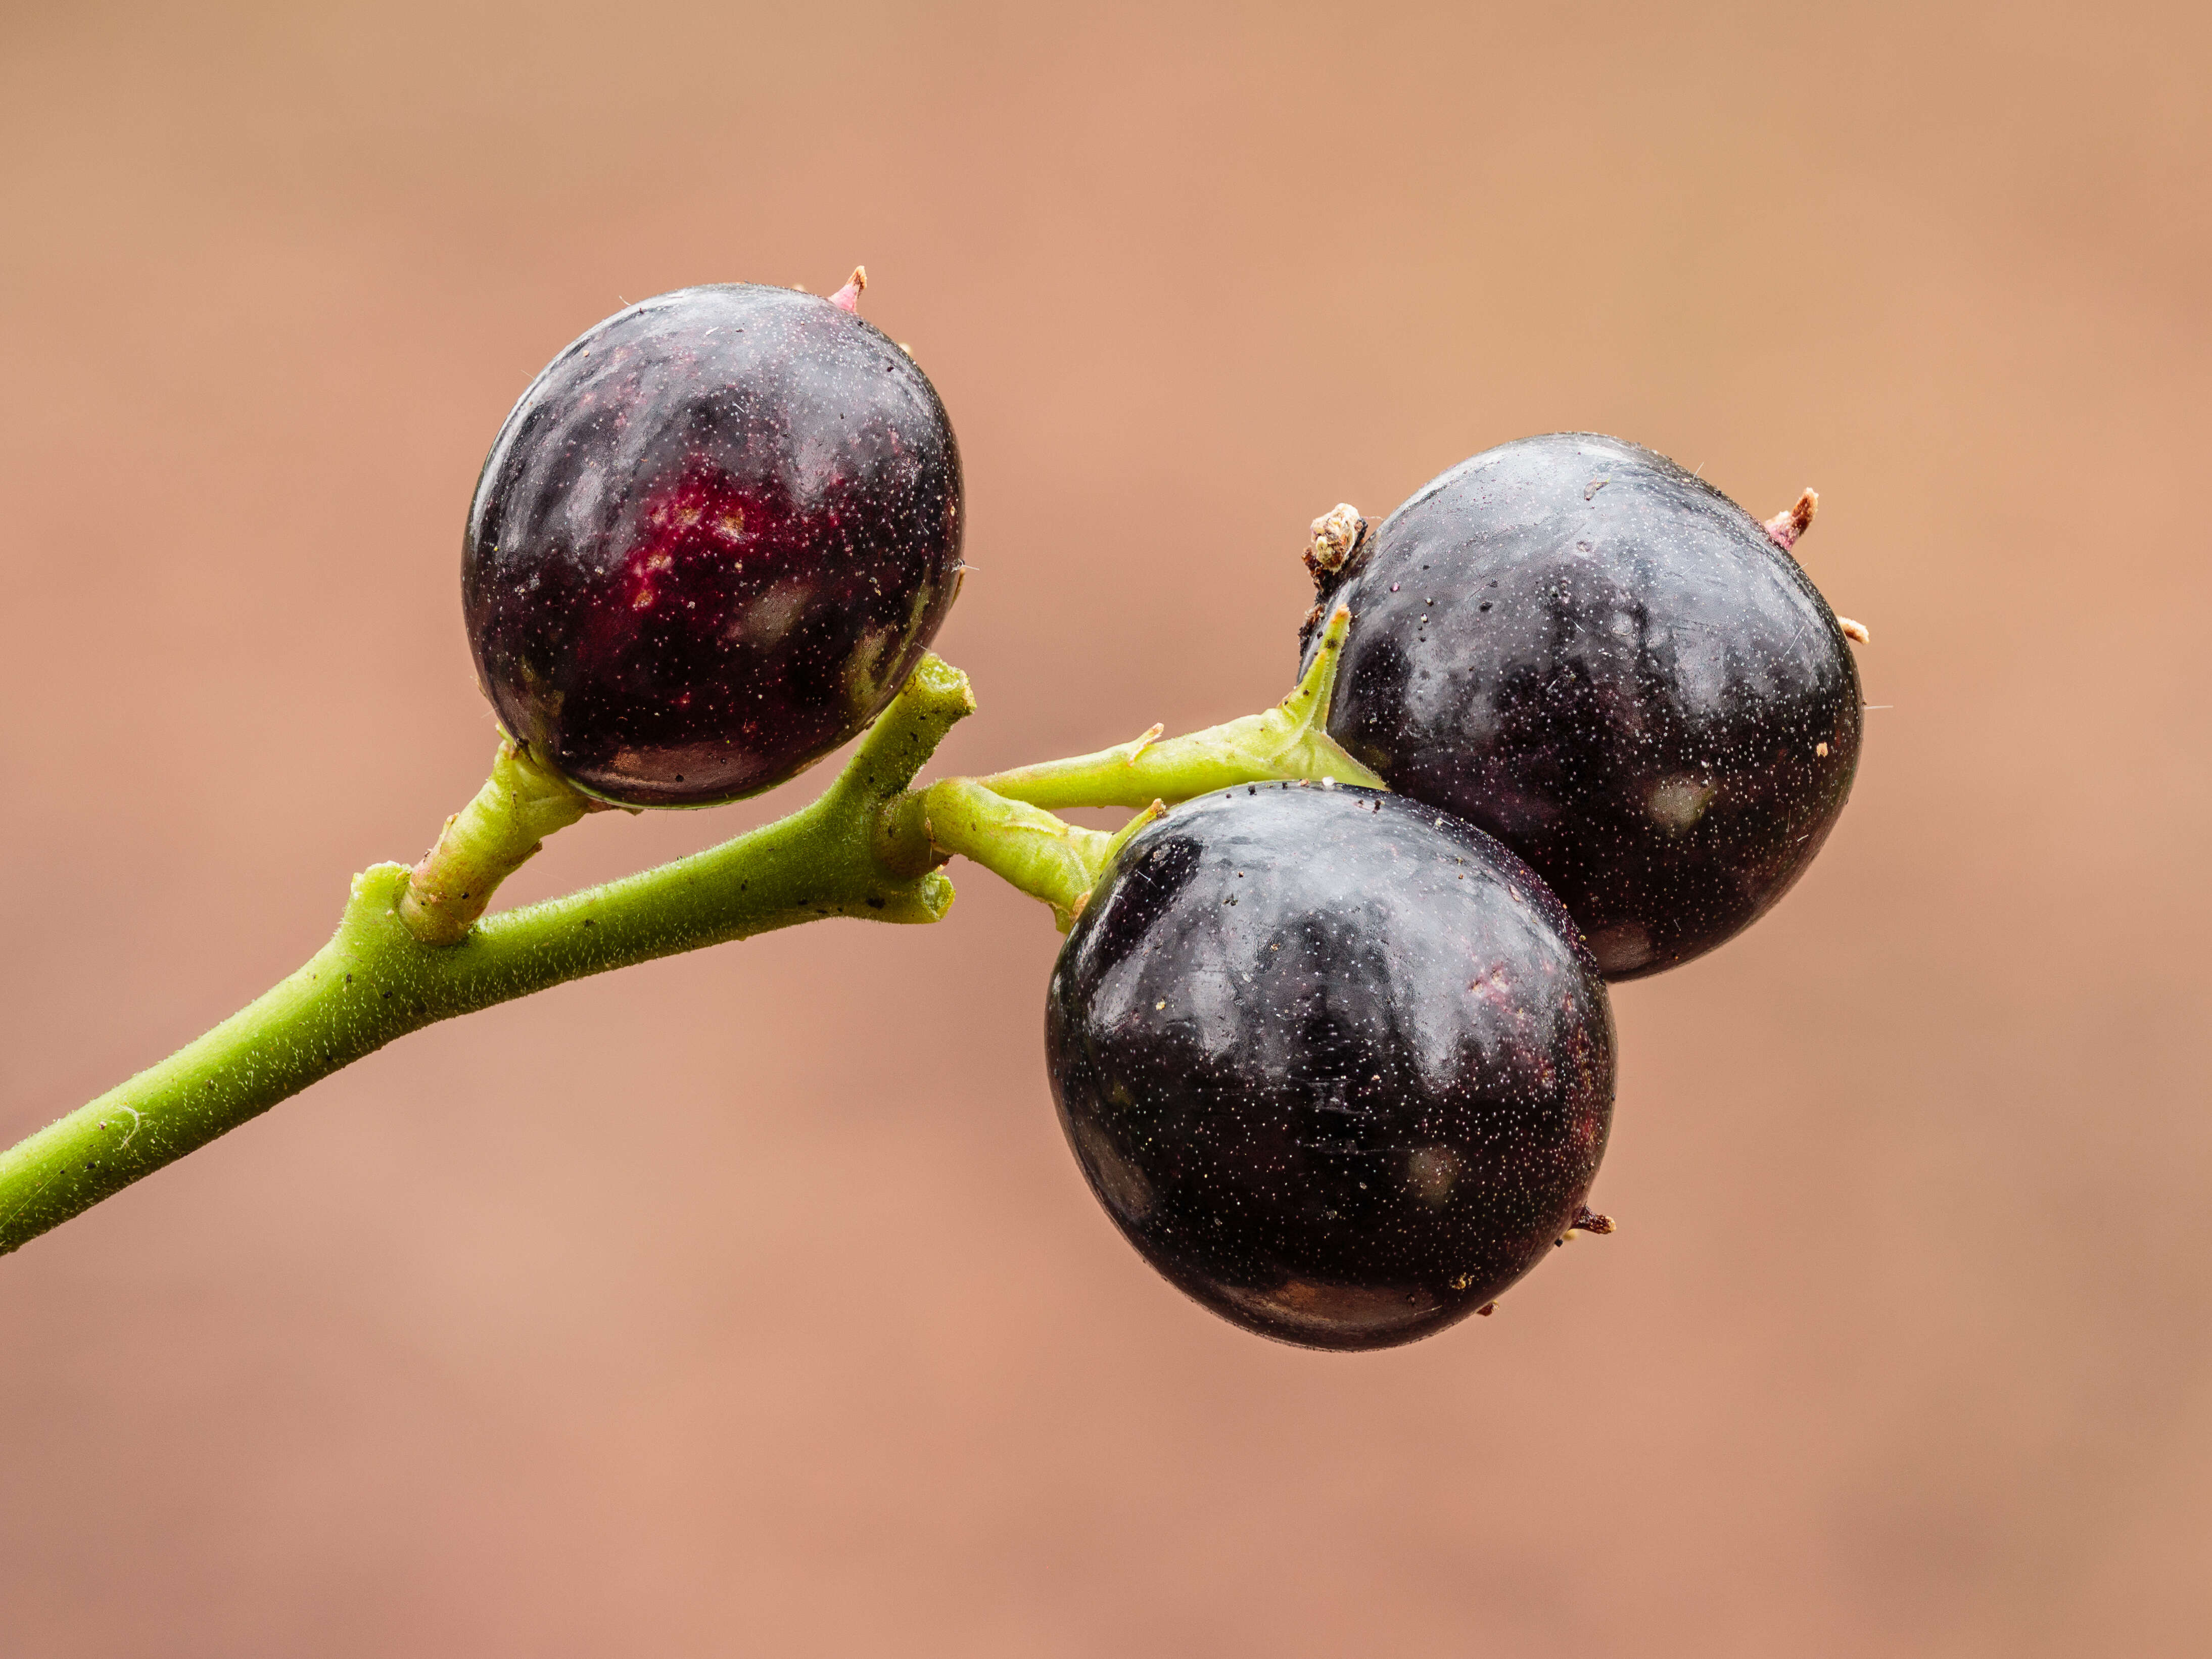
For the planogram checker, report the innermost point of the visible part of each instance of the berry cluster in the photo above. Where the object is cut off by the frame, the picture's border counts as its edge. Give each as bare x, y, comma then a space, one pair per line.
1332, 1043
1341, 1064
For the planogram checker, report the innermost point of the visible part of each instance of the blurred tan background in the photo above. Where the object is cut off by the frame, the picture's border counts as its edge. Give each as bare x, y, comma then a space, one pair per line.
750, 1302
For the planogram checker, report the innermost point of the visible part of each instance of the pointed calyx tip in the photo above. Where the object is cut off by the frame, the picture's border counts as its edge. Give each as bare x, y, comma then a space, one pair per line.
1787, 525
1336, 537
849, 295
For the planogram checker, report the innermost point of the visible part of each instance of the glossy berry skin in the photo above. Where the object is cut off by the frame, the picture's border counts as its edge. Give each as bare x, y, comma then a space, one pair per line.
1611, 666
710, 542
1335, 1063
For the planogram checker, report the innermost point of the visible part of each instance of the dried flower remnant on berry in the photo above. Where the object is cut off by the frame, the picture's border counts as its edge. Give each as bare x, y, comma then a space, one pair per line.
1794, 520
1335, 538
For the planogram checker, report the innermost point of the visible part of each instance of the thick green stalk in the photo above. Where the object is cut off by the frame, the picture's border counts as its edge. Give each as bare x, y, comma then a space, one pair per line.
1289, 741
521, 803
376, 981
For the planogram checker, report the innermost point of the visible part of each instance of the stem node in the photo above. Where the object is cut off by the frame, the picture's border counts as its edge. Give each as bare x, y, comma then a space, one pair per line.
522, 802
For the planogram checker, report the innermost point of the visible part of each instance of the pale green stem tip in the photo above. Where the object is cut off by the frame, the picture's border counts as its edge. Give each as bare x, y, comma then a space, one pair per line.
1289, 742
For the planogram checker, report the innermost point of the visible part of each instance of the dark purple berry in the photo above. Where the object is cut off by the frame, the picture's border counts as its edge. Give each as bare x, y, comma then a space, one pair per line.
710, 542
1334, 1062
1614, 669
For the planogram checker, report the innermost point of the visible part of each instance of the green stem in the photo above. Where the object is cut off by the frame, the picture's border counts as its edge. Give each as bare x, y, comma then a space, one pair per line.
376, 981
1026, 846
522, 802
410, 951
1289, 741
